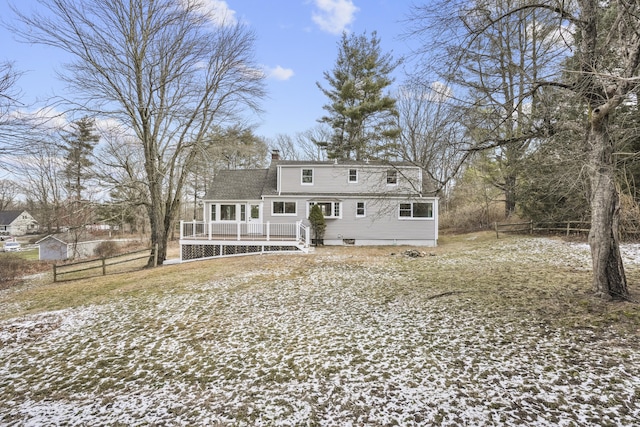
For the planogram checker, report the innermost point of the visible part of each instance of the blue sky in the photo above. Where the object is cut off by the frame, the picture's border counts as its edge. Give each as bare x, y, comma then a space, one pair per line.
296, 42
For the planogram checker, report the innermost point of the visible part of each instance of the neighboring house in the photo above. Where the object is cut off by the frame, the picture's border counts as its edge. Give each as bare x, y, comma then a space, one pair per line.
17, 223
364, 203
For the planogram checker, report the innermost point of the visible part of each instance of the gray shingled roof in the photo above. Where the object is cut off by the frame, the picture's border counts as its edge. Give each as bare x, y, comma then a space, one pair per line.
7, 217
252, 184
242, 184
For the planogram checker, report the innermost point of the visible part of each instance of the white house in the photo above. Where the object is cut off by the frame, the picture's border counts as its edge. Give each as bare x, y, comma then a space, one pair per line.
364, 203
17, 223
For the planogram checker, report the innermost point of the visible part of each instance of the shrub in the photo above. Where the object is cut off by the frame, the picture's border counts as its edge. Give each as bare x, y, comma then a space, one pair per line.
106, 249
12, 268
316, 218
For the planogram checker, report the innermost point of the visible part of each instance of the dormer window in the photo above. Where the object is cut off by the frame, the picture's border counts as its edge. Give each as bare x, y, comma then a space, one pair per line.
392, 177
307, 176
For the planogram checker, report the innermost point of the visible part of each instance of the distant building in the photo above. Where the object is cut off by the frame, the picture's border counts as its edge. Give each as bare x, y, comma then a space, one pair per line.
17, 223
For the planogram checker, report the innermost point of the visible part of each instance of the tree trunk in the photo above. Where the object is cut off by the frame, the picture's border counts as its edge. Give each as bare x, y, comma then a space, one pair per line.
159, 236
609, 280
510, 195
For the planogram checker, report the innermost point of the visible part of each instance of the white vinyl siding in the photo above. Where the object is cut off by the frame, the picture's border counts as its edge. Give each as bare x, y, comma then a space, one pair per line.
334, 179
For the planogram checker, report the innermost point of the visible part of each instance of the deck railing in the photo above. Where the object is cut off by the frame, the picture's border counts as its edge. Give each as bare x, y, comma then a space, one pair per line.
241, 231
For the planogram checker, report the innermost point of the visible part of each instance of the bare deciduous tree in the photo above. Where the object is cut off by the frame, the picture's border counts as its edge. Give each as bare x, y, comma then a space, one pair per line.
39, 173
598, 74
10, 124
161, 68
431, 134
495, 67
8, 193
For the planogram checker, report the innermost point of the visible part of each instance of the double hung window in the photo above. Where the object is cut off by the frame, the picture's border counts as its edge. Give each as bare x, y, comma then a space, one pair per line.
284, 208
307, 176
392, 177
416, 210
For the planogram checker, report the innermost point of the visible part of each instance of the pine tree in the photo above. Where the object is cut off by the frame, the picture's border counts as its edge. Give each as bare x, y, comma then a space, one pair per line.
78, 146
363, 118
318, 224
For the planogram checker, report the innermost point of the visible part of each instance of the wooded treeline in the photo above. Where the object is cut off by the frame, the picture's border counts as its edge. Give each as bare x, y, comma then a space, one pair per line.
514, 108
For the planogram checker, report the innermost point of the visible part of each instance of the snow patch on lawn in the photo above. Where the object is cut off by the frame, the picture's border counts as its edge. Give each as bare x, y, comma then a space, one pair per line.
339, 344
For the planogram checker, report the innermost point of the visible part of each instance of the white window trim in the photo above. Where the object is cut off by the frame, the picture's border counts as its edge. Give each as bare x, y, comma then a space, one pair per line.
333, 208
349, 176
313, 173
273, 213
412, 218
386, 177
364, 206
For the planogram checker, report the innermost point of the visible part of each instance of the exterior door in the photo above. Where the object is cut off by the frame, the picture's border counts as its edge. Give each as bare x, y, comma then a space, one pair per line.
254, 219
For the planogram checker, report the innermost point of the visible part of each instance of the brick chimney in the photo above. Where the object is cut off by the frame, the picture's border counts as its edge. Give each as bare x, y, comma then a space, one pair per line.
275, 155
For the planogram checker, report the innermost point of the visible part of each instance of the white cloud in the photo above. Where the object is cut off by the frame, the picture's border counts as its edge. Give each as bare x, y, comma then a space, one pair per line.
218, 12
334, 16
279, 73
46, 118
441, 92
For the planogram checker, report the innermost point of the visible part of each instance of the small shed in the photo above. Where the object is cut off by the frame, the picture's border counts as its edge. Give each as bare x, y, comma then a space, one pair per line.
53, 248
17, 223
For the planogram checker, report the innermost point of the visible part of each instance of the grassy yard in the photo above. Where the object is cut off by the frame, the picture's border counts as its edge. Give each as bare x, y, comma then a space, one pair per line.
30, 255
477, 332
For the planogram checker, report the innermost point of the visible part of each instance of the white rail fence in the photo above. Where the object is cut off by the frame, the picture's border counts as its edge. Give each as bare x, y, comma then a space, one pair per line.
241, 231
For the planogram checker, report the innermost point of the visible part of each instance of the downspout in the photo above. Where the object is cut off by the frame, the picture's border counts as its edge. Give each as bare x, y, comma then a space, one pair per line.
279, 172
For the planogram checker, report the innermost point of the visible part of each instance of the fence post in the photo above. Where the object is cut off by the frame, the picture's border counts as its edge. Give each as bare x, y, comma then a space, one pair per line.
531, 227
155, 255
104, 266
268, 230
55, 277
496, 226
568, 227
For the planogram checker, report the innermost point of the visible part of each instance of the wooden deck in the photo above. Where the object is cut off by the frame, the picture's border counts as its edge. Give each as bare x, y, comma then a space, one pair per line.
202, 240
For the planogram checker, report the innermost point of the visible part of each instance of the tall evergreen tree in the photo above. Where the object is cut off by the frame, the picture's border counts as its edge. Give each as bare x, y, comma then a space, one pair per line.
362, 116
78, 147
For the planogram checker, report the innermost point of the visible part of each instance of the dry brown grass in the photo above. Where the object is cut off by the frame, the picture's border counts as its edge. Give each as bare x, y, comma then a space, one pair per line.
477, 332
556, 293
